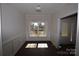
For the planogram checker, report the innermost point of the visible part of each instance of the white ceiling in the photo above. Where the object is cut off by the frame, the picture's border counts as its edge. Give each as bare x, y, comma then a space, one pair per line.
47, 8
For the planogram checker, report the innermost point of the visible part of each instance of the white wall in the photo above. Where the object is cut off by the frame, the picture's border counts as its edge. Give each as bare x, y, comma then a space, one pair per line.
13, 29
0, 34
38, 18
65, 11
77, 37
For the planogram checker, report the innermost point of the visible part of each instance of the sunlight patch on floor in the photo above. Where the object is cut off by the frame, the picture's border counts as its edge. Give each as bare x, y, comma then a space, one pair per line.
35, 45
31, 45
42, 45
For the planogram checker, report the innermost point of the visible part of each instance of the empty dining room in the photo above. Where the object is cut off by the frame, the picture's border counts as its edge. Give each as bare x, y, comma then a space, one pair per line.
39, 29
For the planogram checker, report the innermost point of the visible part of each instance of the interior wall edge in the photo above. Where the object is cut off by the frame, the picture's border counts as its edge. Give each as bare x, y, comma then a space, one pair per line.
77, 35
1, 51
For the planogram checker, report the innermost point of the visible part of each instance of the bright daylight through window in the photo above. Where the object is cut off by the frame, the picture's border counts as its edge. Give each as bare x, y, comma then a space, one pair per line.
37, 29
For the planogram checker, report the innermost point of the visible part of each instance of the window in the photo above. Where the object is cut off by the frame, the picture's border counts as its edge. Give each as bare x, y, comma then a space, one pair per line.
37, 29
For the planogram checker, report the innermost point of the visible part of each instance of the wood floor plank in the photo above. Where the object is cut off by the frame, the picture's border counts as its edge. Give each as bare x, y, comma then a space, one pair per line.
50, 51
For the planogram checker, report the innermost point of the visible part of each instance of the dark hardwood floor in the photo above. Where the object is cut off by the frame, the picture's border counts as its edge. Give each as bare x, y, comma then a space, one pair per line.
50, 51
65, 50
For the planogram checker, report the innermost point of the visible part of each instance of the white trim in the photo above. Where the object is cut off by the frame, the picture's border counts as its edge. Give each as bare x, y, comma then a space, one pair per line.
77, 35
0, 33
12, 38
58, 31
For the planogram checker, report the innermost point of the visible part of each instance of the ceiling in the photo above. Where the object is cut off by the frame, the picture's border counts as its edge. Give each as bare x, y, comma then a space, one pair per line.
46, 8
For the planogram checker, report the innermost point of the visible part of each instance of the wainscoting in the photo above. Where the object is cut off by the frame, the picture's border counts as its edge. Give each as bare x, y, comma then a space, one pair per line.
11, 46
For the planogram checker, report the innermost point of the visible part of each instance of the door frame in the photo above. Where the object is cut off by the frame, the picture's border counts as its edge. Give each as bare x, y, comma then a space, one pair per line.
0, 31
62, 20
59, 24
77, 35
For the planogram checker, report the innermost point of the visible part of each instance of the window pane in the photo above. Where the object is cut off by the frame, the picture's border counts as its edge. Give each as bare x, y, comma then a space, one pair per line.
37, 29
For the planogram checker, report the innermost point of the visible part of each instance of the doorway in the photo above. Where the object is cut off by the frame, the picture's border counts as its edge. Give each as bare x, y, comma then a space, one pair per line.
67, 40
68, 28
